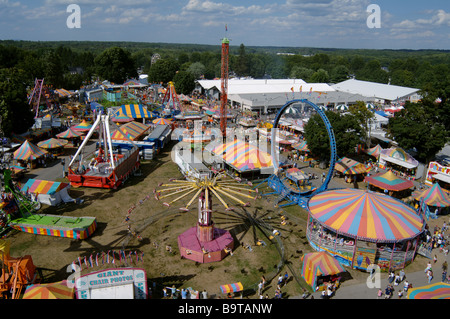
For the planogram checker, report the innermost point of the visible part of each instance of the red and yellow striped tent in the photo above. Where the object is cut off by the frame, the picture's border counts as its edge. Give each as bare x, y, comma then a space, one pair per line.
318, 264
56, 290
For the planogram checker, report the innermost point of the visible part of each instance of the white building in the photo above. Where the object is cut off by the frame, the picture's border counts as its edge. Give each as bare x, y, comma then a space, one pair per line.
271, 94
382, 93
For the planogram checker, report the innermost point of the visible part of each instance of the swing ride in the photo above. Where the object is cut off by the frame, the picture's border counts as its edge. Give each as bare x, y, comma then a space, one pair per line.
106, 169
205, 243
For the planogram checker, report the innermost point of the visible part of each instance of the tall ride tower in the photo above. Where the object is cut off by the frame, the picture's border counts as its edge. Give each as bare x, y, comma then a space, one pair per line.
224, 88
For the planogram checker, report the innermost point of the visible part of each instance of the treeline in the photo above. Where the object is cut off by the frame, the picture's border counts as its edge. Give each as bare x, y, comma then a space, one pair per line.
70, 64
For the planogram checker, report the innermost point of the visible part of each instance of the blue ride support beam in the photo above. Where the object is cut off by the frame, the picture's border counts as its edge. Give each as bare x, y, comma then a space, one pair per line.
303, 198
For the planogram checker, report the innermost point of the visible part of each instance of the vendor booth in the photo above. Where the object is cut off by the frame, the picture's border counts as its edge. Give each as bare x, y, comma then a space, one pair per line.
48, 192
319, 269
391, 184
53, 146
435, 198
438, 173
28, 152
351, 170
115, 283
401, 163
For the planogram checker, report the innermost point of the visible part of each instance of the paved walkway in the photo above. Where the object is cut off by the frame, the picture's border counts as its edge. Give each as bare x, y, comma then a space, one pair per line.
417, 279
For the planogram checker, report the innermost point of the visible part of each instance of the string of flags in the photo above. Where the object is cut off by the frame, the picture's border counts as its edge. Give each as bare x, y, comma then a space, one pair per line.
128, 216
110, 257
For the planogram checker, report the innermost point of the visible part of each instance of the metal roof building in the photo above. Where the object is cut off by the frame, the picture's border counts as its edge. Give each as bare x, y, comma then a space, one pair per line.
384, 93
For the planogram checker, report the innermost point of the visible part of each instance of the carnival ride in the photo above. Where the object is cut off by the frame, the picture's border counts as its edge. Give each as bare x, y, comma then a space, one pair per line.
16, 273
106, 169
224, 87
278, 181
171, 103
18, 211
205, 243
41, 94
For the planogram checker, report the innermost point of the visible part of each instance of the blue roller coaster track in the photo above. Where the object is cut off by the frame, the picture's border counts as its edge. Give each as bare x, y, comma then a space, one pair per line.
276, 183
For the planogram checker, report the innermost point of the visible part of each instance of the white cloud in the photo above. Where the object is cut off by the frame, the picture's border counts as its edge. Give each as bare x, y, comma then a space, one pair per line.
220, 8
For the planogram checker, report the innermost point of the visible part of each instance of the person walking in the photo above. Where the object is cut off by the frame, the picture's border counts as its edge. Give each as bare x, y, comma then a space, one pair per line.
430, 276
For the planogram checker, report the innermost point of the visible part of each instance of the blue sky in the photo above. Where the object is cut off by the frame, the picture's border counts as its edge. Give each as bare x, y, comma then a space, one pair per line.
405, 24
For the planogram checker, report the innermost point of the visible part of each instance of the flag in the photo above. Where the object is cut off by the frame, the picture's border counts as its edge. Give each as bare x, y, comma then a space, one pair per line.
85, 262
226, 27
79, 262
107, 257
91, 263
292, 89
96, 259
310, 91
114, 257
301, 87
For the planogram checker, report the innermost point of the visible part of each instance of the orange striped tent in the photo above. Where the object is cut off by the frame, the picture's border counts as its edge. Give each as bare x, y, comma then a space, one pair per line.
133, 131
56, 290
348, 166
318, 264
243, 156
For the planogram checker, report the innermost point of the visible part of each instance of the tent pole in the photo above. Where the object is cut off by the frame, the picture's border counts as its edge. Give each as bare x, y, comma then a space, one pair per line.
392, 255
406, 253
354, 252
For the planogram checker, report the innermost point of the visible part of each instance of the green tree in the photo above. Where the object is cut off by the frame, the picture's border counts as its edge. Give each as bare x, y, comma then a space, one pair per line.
339, 73
163, 71
241, 66
320, 76
184, 82
346, 130
197, 69
54, 70
16, 114
373, 72
116, 65
300, 72
418, 126
364, 116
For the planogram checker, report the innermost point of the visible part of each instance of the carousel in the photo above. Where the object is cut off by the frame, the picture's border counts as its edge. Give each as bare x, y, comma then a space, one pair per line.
361, 227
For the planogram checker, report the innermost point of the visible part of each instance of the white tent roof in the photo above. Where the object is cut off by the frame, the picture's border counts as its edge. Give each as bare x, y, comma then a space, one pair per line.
372, 89
266, 86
